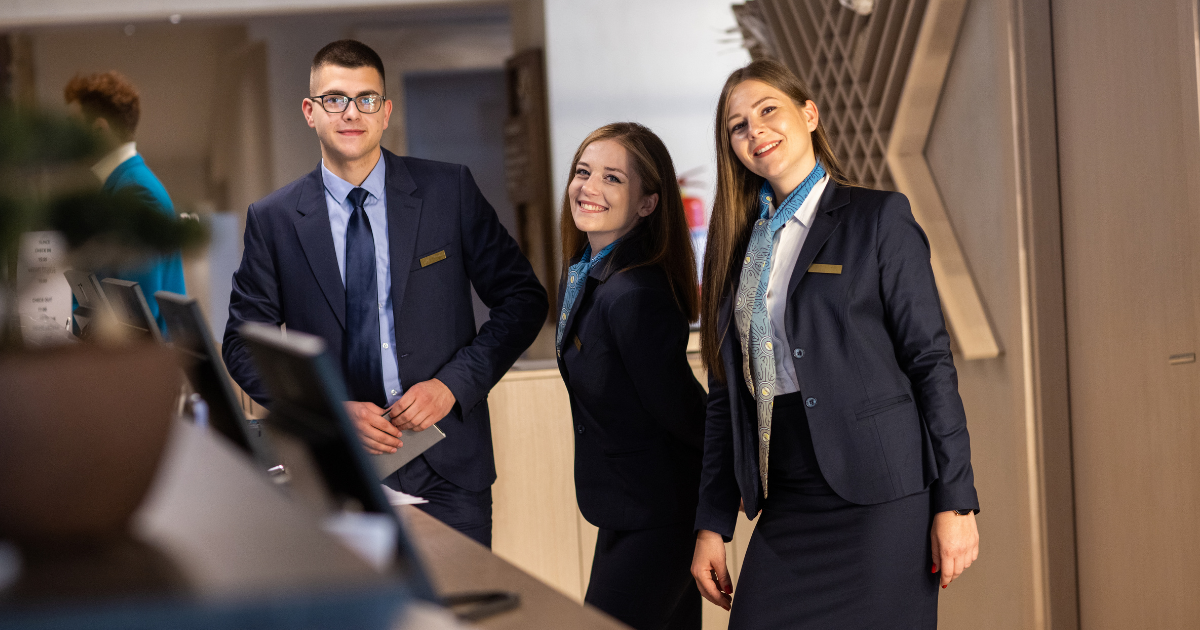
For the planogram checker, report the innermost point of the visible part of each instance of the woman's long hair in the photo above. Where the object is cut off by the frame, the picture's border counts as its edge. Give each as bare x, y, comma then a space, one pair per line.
735, 206
670, 242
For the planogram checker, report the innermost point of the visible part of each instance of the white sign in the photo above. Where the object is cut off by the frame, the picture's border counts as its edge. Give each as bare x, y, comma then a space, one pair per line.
44, 302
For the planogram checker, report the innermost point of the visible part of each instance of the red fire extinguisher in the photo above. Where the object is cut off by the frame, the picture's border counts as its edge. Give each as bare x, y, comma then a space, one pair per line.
697, 215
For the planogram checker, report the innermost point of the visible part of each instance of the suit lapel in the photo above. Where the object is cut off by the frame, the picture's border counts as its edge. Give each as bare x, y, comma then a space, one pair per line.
824, 223
404, 216
631, 250
316, 239
583, 295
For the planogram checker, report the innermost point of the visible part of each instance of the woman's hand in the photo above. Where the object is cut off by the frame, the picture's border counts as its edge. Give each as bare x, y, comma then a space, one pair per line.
709, 570
955, 544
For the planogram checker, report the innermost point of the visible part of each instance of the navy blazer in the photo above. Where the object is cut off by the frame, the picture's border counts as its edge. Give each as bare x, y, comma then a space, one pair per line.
638, 409
289, 275
872, 360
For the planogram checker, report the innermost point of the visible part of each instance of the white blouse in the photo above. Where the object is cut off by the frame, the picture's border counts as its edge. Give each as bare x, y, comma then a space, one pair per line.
786, 249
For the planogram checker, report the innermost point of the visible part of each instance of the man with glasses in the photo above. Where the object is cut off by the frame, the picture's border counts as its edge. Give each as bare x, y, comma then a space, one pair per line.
377, 254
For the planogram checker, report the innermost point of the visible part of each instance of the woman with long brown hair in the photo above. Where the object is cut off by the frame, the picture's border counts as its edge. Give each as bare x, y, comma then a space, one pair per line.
834, 406
627, 293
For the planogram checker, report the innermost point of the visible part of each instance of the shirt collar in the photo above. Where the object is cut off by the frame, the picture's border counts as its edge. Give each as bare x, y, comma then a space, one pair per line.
808, 209
804, 215
109, 163
339, 188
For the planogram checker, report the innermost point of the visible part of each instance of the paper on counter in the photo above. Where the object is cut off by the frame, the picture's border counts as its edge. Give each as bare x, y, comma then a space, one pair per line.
395, 498
371, 536
10, 564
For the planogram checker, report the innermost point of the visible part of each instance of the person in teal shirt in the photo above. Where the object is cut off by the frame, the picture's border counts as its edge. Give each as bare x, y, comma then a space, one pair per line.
109, 102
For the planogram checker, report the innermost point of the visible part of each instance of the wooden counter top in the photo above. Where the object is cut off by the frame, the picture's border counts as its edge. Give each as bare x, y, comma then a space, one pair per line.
458, 564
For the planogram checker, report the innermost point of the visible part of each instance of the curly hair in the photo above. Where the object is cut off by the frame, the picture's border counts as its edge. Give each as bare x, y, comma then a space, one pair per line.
108, 95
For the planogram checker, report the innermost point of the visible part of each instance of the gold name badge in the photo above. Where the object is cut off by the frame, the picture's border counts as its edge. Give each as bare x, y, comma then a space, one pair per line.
432, 258
817, 268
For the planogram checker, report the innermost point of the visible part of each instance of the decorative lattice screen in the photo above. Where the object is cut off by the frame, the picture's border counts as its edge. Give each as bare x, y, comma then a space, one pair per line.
877, 80
855, 66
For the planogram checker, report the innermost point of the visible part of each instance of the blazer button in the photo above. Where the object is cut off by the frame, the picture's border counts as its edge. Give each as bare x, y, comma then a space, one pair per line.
811, 402
798, 353
580, 429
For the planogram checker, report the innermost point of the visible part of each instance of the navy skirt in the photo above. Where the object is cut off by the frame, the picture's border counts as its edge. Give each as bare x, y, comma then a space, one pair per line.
818, 561
643, 578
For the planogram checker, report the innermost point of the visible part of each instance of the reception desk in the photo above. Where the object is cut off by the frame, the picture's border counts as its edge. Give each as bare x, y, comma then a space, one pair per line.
537, 525
215, 545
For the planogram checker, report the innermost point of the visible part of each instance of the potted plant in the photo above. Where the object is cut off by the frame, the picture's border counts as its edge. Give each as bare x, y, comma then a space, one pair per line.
82, 426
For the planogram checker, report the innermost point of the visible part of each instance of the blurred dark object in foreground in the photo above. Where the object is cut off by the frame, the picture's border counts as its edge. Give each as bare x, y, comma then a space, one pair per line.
81, 435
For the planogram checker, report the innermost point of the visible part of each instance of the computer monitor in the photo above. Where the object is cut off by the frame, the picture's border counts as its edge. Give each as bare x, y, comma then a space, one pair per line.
205, 371
90, 300
130, 306
307, 392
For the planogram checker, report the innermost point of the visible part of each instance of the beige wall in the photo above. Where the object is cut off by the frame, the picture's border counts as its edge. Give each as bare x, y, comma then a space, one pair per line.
176, 128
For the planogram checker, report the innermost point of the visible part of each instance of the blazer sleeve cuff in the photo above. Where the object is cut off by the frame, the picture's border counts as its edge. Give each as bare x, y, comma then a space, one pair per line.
954, 497
464, 393
723, 524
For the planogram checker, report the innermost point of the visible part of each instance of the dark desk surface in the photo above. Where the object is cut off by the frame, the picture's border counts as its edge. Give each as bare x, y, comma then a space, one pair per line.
214, 545
214, 534
457, 564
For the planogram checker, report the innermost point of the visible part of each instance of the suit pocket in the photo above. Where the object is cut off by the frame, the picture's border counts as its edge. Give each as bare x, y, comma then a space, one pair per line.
882, 406
897, 424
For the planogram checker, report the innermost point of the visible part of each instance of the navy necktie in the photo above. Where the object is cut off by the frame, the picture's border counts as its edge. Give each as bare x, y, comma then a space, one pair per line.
364, 375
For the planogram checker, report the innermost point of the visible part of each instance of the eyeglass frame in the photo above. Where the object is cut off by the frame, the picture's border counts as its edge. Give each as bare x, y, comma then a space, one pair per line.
320, 99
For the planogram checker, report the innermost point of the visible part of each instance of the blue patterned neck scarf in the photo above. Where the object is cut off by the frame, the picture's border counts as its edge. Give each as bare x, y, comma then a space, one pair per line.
750, 310
577, 276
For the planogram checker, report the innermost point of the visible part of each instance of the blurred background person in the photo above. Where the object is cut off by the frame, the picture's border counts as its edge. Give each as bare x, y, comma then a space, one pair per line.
834, 403
109, 102
627, 293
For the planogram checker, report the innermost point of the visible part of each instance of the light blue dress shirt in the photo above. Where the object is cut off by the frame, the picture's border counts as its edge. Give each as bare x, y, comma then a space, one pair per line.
336, 191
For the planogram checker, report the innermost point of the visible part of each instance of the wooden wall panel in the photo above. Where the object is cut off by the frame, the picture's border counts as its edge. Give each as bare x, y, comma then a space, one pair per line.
1127, 133
536, 522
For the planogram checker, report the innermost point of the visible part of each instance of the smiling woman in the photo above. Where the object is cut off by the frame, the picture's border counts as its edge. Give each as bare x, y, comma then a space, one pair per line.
834, 408
628, 293
606, 200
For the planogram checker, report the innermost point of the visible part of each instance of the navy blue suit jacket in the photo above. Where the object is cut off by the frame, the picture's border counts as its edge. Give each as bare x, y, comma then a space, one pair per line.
637, 407
873, 361
289, 275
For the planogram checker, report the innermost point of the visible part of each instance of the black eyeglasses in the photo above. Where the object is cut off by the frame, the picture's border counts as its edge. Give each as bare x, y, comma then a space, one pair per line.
337, 103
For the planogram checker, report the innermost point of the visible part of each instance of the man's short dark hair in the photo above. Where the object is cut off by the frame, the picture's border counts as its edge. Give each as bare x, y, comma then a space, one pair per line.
348, 53
107, 95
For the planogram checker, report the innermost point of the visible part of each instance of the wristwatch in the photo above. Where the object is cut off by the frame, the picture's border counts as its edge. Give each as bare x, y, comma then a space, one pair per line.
963, 512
